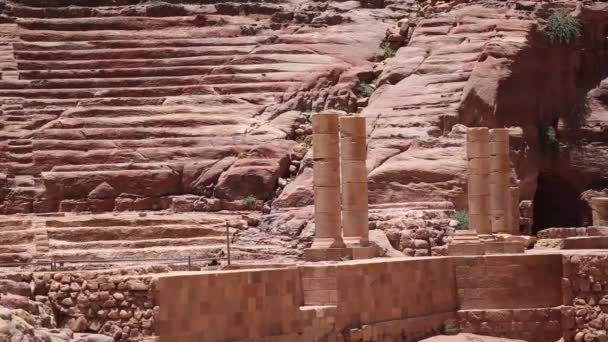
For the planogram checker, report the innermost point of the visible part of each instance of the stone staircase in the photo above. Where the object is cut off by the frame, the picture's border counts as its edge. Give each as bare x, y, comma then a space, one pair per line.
128, 235
106, 87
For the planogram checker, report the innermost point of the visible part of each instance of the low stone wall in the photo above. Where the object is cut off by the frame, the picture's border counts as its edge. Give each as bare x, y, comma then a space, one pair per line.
508, 281
371, 300
562, 233
538, 325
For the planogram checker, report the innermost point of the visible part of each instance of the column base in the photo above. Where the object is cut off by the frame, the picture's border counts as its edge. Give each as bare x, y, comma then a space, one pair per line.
504, 247
466, 248
326, 243
355, 241
339, 254
485, 248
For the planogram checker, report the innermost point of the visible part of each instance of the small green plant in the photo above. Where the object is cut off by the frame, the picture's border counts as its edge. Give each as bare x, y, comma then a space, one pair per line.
563, 27
365, 89
304, 139
308, 117
548, 136
249, 200
426, 8
387, 50
462, 217
450, 327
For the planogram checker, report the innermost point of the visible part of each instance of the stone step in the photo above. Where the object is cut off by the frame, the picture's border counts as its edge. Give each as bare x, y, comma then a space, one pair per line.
262, 87
11, 224
17, 237
112, 23
20, 149
135, 53
12, 107
198, 252
140, 43
10, 258
113, 3
151, 120
133, 234
257, 69
123, 244
228, 30
15, 118
98, 83
134, 220
236, 62
22, 158
150, 9
240, 144
23, 181
46, 159
13, 168
15, 249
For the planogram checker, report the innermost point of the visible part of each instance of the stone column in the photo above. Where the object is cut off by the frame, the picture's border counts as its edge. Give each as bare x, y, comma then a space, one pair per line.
353, 154
514, 209
478, 152
500, 181
599, 207
326, 169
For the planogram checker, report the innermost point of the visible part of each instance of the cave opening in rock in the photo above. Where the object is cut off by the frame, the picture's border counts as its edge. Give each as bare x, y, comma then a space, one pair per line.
557, 203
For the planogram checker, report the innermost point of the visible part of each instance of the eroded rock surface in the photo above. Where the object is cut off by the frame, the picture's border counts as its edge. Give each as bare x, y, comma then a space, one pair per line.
182, 107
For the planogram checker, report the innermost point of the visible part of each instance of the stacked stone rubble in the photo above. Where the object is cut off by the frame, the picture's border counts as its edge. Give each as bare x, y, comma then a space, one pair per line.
478, 154
514, 210
326, 155
353, 154
599, 207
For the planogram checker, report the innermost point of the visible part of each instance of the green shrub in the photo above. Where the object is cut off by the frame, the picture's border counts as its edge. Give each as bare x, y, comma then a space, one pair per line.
249, 201
308, 117
462, 217
548, 136
563, 27
387, 50
450, 327
365, 89
304, 139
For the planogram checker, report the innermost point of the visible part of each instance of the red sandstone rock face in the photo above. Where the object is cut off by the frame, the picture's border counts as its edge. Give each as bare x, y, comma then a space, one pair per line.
160, 99
129, 105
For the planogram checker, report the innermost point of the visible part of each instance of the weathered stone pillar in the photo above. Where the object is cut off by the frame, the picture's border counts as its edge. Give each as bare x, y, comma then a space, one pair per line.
514, 209
326, 154
599, 207
478, 152
353, 154
500, 181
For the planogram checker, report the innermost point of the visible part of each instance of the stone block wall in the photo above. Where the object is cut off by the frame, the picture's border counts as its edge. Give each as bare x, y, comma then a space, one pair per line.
368, 300
508, 281
355, 301
539, 325
233, 305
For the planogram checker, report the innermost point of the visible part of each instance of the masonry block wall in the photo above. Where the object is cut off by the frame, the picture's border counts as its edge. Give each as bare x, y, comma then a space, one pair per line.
309, 303
514, 296
508, 281
367, 300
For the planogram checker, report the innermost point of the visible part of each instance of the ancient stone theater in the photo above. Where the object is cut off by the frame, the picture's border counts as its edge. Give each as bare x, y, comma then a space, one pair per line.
303, 170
